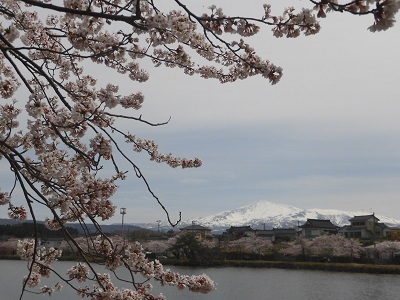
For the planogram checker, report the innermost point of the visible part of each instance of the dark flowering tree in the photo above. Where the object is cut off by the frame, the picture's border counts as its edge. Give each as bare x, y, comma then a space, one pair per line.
299, 247
190, 247
254, 245
386, 249
325, 246
336, 246
60, 133
157, 246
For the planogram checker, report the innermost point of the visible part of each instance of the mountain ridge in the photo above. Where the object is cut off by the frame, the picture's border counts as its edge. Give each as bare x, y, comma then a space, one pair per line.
266, 214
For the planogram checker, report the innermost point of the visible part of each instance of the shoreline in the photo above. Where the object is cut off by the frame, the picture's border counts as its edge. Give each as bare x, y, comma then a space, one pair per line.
294, 265
330, 267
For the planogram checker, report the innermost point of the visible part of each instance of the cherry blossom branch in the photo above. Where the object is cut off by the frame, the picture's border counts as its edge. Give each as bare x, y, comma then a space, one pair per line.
131, 20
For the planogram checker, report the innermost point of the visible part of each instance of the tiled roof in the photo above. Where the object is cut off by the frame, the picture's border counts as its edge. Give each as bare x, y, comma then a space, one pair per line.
240, 228
195, 227
264, 231
284, 230
362, 218
381, 225
315, 223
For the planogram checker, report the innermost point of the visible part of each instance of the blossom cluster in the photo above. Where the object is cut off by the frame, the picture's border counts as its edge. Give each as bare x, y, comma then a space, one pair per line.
27, 250
4, 198
8, 122
53, 224
219, 23
41, 260
82, 193
8, 81
80, 272
385, 16
111, 100
325, 245
384, 12
133, 256
291, 24
177, 27
17, 212
387, 248
151, 147
46, 290
118, 253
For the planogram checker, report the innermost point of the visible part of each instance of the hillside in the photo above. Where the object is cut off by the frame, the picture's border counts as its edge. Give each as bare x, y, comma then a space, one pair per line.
273, 215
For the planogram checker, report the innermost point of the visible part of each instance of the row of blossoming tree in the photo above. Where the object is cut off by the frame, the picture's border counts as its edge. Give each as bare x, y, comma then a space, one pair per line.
325, 247
59, 127
321, 248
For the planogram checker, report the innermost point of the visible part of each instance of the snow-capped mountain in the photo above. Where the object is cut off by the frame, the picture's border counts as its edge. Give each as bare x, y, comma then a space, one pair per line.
272, 215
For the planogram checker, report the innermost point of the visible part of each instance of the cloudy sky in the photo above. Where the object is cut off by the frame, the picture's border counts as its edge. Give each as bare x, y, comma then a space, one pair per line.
326, 136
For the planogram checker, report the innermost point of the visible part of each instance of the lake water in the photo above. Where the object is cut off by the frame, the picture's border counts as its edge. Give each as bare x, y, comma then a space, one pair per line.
241, 284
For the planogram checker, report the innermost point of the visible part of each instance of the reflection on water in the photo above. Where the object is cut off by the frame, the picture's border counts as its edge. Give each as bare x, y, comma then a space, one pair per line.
240, 283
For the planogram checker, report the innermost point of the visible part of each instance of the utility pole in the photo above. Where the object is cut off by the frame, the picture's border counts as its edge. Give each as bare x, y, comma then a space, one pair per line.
123, 213
158, 225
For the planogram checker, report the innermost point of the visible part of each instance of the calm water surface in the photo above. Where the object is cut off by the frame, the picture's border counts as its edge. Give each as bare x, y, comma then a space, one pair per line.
241, 284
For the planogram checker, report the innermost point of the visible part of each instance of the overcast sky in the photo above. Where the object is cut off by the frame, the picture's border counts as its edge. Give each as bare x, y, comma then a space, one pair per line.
326, 136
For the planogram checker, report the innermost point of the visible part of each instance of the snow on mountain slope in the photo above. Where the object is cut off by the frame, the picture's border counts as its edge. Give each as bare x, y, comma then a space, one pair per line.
272, 215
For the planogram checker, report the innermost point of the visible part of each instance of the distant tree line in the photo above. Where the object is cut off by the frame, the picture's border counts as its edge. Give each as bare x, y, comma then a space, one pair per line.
26, 230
